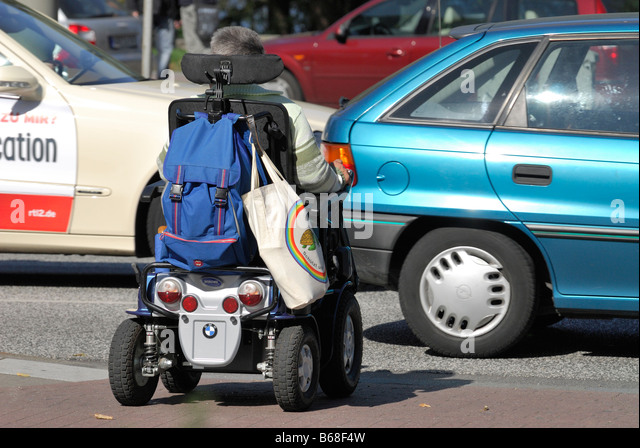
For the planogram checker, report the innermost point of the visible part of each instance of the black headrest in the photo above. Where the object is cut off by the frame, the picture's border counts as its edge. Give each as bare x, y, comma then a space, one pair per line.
251, 69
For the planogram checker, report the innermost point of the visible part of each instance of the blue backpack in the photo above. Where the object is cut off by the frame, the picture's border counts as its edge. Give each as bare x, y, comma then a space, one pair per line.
208, 168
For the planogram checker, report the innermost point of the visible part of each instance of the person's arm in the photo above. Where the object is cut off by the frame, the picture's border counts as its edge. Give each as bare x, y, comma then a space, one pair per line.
313, 173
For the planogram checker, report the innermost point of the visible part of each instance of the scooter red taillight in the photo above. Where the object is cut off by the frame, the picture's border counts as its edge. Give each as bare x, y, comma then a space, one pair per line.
169, 290
189, 303
250, 293
230, 305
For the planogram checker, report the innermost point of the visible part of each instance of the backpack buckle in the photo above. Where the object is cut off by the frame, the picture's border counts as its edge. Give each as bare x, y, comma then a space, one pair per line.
221, 196
175, 194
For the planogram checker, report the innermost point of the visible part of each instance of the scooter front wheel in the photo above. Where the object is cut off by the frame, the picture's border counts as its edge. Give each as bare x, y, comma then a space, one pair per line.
179, 381
126, 356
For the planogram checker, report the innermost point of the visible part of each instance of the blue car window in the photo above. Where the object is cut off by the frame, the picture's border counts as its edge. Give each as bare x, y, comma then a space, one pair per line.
472, 92
585, 86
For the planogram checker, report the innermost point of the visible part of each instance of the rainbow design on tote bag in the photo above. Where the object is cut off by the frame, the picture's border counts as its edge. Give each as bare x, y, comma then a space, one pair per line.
292, 239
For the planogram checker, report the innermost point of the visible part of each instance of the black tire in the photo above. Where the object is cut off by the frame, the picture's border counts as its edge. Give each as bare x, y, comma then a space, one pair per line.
468, 292
155, 219
179, 381
296, 368
340, 377
126, 356
289, 86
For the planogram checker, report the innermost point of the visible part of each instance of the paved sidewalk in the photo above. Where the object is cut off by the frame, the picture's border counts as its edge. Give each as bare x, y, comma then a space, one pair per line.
51, 395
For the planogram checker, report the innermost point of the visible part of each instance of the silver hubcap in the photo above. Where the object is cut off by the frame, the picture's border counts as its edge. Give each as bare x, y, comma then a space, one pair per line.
348, 344
464, 293
305, 368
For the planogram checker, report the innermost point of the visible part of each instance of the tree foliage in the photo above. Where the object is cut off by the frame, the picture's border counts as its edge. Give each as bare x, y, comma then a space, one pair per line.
285, 16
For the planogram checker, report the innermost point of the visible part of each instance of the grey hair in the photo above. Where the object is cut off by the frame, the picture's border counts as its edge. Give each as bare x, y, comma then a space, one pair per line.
232, 40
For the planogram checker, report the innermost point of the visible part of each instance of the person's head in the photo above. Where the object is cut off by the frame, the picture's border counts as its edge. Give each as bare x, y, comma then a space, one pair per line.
232, 40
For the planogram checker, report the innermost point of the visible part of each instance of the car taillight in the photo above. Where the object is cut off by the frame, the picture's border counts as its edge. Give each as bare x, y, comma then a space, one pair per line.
230, 305
84, 32
189, 304
334, 151
250, 293
169, 290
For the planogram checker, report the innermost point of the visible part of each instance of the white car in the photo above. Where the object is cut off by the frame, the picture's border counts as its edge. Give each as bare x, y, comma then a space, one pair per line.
79, 137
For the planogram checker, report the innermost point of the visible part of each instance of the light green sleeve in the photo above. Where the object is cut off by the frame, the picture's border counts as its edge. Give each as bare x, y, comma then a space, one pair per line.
312, 172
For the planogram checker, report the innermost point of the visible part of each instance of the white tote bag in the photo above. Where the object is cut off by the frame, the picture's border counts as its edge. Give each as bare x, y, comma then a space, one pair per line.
286, 242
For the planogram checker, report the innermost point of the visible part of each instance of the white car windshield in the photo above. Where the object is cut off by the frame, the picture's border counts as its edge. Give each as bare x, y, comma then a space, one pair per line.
73, 59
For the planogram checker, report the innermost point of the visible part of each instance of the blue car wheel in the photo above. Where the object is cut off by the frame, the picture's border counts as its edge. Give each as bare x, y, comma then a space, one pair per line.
468, 292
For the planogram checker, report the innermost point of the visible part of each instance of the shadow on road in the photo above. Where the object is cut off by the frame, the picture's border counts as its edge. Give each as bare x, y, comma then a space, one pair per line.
594, 337
375, 389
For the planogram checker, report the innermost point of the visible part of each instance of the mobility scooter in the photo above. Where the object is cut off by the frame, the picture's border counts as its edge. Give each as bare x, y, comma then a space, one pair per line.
233, 319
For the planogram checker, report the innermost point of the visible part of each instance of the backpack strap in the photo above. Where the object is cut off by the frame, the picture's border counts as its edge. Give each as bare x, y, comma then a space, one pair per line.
222, 188
220, 202
175, 194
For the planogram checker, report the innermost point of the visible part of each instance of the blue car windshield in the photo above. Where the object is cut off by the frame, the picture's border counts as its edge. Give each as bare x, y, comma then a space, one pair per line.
73, 59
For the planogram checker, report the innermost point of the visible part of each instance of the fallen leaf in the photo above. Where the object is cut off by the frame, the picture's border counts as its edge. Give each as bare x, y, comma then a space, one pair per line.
424, 405
78, 354
103, 417
26, 375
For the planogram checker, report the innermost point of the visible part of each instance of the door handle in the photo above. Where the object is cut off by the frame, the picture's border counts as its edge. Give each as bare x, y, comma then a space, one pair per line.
396, 53
532, 174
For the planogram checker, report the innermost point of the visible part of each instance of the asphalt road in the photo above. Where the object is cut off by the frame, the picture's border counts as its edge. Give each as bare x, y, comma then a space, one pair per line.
66, 308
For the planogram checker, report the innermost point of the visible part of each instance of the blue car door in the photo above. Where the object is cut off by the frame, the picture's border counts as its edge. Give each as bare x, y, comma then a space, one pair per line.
565, 163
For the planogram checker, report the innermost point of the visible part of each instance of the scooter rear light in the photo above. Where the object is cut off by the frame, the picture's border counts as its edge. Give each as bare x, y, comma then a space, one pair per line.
189, 304
169, 290
250, 293
230, 305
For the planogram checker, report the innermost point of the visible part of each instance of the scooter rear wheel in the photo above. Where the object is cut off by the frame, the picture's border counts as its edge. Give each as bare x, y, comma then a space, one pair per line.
340, 377
296, 368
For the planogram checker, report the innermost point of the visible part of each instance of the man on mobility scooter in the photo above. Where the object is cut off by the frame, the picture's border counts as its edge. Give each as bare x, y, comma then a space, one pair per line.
194, 317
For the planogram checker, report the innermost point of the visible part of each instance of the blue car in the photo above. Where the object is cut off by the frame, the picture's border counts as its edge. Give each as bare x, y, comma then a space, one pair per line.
496, 180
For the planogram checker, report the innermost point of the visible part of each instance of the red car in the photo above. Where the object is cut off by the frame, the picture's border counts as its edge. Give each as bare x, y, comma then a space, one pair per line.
382, 36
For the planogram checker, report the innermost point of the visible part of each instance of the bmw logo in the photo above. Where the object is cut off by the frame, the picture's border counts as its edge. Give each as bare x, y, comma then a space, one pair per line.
210, 331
